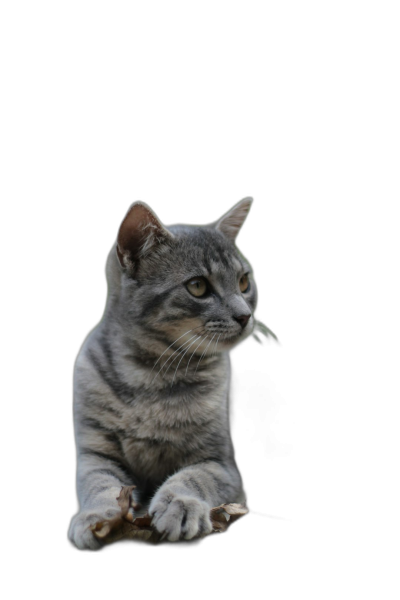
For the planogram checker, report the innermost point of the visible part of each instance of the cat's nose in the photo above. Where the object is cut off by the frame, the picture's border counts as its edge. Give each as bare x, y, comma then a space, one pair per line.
242, 320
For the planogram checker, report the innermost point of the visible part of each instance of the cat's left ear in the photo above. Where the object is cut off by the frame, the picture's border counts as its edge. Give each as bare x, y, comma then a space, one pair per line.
233, 220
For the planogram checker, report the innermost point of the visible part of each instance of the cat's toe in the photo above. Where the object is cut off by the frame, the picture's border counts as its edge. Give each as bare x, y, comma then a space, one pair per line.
180, 517
170, 521
196, 521
80, 533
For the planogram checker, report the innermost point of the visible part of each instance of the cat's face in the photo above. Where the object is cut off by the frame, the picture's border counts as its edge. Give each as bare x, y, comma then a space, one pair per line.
187, 281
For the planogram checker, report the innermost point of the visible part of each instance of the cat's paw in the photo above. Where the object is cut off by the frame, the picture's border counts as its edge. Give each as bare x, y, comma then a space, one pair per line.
179, 516
80, 533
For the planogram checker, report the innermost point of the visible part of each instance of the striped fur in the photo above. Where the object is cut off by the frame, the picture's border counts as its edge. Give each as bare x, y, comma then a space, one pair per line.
151, 381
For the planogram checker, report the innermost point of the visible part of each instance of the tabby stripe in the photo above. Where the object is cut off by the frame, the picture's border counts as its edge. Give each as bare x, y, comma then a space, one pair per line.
110, 435
114, 460
105, 346
207, 264
104, 407
96, 489
104, 472
98, 426
156, 301
193, 483
122, 391
99, 484
188, 306
219, 485
156, 333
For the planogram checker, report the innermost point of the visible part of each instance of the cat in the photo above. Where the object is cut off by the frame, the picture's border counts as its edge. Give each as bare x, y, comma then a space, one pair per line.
151, 381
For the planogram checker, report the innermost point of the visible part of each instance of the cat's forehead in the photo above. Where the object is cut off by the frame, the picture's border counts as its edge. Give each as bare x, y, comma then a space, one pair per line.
206, 247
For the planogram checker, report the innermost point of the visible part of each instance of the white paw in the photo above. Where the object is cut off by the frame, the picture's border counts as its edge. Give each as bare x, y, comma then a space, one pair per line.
179, 516
80, 533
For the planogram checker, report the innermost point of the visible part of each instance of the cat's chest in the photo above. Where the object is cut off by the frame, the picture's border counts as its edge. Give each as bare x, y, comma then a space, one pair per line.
174, 417
164, 434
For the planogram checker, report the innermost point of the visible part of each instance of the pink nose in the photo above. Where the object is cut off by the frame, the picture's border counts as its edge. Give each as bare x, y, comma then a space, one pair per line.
242, 320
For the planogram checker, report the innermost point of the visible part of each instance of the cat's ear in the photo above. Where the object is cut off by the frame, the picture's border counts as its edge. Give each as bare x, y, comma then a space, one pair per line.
139, 232
233, 220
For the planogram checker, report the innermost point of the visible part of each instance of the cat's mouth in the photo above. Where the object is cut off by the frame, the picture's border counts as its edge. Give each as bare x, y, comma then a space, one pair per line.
231, 338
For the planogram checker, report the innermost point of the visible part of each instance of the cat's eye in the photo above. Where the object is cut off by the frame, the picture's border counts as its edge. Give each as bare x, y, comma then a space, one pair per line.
197, 287
244, 283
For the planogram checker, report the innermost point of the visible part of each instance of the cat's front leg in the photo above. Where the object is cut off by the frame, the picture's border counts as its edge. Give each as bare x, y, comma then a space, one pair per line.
179, 515
80, 532
181, 506
99, 482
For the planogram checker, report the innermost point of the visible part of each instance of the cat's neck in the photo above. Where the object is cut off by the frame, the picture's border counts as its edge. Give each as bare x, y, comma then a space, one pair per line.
154, 363
176, 364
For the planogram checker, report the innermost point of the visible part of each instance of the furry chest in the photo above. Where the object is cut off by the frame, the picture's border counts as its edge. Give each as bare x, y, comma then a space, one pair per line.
164, 437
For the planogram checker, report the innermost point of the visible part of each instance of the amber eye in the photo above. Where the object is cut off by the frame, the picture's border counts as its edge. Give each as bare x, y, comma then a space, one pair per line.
197, 287
244, 283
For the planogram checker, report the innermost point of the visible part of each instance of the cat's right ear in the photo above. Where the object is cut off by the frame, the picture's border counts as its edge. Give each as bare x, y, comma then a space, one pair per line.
140, 231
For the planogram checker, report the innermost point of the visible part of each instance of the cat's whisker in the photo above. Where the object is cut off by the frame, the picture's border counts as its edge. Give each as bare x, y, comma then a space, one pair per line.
183, 355
177, 340
211, 352
216, 345
177, 352
173, 354
205, 351
177, 356
201, 341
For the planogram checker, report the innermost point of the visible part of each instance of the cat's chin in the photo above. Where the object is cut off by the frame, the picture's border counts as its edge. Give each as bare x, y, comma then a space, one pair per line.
236, 339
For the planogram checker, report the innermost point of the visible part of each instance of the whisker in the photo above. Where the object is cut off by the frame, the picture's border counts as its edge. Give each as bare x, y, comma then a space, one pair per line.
182, 359
216, 345
205, 351
177, 340
210, 355
177, 356
177, 350
201, 341
168, 359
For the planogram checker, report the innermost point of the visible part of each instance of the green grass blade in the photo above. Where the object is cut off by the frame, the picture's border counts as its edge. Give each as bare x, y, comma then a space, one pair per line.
256, 338
261, 328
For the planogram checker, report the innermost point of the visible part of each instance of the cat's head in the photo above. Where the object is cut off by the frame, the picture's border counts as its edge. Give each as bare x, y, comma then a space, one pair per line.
185, 283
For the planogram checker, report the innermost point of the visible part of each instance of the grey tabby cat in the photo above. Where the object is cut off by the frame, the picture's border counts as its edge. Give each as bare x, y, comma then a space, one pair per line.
151, 383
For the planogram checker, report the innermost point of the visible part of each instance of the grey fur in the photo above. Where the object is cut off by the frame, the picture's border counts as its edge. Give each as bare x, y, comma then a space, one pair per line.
151, 381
